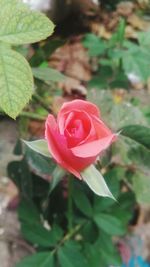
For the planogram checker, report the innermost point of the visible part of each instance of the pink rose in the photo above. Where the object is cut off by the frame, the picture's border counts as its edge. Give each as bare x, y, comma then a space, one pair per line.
78, 136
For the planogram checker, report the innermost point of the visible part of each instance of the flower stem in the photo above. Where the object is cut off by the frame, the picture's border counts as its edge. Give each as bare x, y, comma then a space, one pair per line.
68, 236
70, 208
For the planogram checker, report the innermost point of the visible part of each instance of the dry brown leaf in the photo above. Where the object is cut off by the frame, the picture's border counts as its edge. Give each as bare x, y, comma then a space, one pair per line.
72, 59
125, 8
143, 3
36, 128
103, 32
73, 87
146, 25
130, 32
78, 70
136, 22
148, 85
113, 22
58, 101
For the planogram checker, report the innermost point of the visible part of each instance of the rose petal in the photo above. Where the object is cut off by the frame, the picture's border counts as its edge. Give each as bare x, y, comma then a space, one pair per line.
76, 105
93, 148
51, 132
101, 129
57, 145
78, 128
58, 148
80, 105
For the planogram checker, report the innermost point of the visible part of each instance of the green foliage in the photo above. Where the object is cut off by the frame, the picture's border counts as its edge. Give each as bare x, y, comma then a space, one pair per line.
136, 60
70, 256
42, 166
20, 174
48, 75
44, 217
109, 224
138, 154
57, 175
141, 185
82, 203
140, 134
118, 58
39, 146
19, 25
37, 234
44, 211
144, 39
117, 114
131, 151
95, 45
16, 82
42, 259
96, 182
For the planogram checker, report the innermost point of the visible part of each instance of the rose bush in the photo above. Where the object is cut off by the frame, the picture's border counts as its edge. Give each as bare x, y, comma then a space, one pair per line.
78, 136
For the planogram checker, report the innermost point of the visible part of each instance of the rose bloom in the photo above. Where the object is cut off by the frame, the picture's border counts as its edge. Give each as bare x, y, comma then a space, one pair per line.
78, 136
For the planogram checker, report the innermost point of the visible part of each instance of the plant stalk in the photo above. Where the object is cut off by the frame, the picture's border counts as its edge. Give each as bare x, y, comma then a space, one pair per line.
70, 208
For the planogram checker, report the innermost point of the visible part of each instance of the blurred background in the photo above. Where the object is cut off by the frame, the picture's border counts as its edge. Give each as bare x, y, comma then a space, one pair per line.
100, 51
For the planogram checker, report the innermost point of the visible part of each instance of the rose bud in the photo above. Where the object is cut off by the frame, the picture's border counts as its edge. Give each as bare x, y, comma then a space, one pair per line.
78, 136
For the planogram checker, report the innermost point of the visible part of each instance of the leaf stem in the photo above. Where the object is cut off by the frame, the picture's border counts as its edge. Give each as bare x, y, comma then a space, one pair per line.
70, 208
68, 236
40, 100
27, 114
32, 115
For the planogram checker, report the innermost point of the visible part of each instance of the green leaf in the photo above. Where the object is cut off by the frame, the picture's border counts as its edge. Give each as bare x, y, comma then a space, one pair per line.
42, 259
140, 156
118, 36
32, 228
97, 253
87, 229
20, 174
48, 75
70, 256
39, 146
102, 204
113, 178
96, 182
136, 60
92, 255
117, 115
144, 38
121, 31
109, 224
102, 79
39, 164
123, 114
141, 187
37, 234
138, 133
82, 202
94, 44
105, 241
20, 25
28, 212
57, 175
16, 81
123, 210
